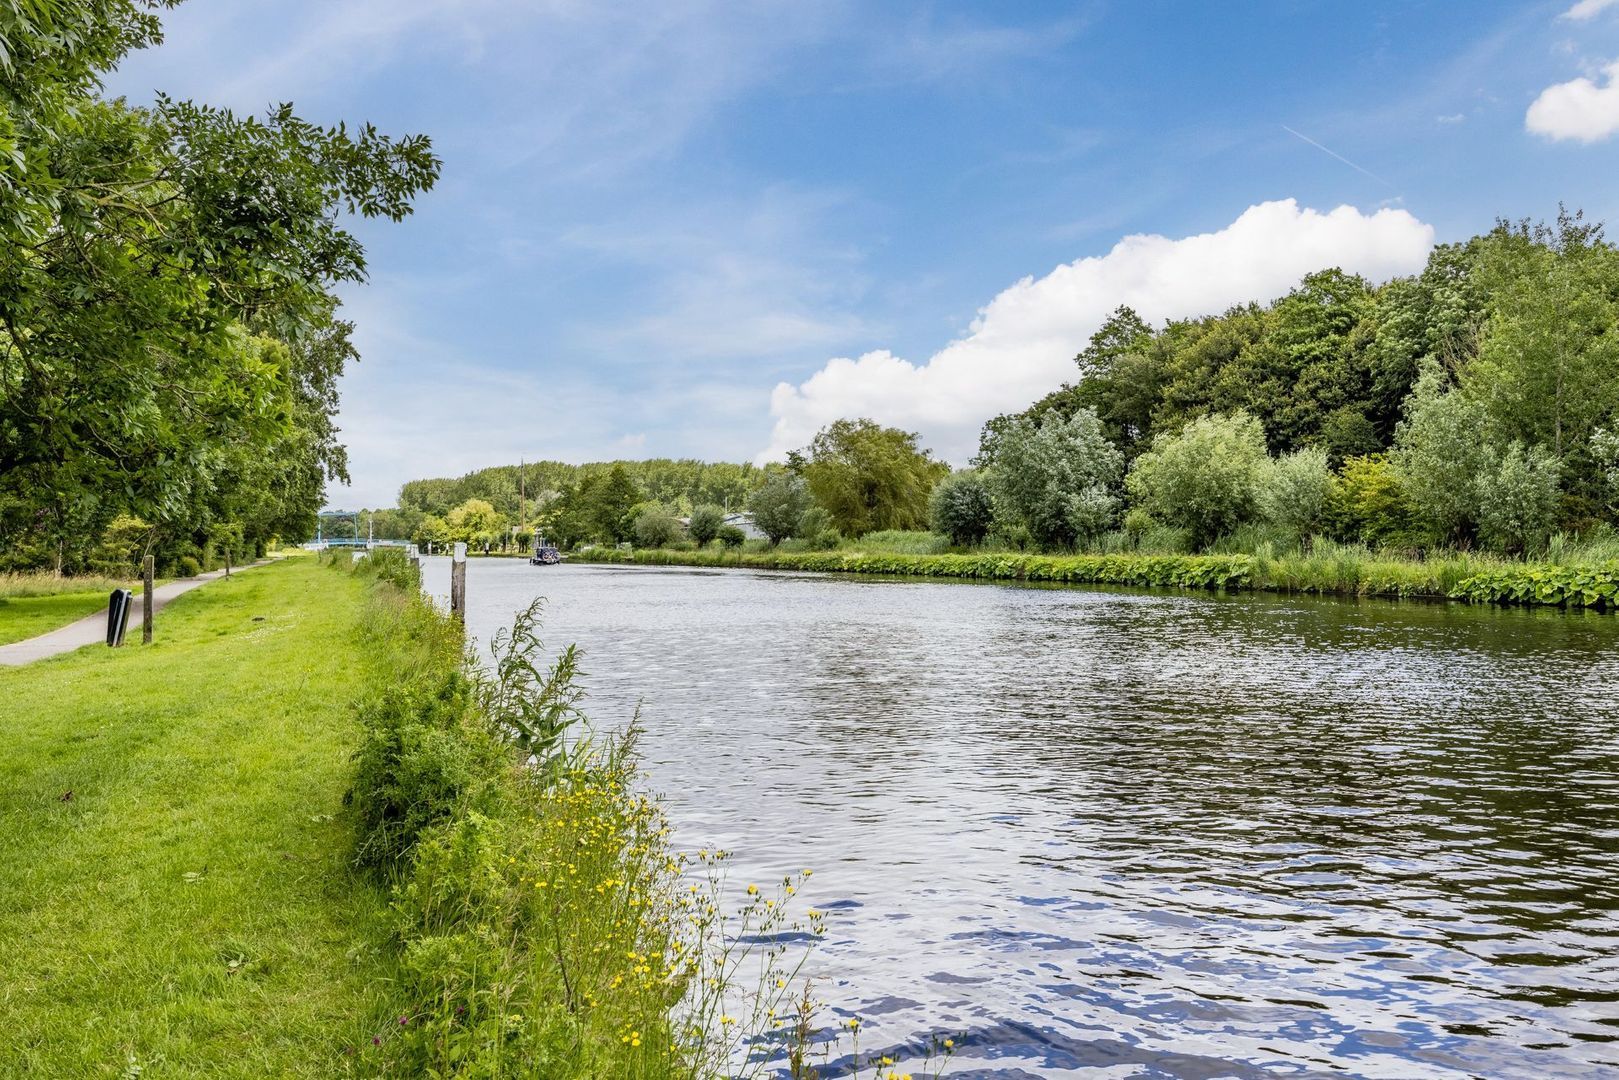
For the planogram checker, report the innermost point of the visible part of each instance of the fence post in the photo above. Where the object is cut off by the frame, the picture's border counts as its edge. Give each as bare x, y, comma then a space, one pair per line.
458, 584
148, 566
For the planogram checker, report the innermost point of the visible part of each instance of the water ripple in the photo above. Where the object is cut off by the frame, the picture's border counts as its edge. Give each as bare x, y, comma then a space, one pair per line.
1113, 834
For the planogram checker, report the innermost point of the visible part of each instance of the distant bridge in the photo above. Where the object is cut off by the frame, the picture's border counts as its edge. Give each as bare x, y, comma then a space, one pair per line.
357, 543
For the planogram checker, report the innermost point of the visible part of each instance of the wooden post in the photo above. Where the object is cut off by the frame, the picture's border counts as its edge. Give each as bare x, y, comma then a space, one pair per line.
148, 566
458, 584
227, 562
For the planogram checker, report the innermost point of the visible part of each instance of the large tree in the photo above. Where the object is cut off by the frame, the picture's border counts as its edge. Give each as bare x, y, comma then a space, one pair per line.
870, 477
168, 340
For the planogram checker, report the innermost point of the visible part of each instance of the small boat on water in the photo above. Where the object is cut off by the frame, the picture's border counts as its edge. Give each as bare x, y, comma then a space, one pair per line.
545, 556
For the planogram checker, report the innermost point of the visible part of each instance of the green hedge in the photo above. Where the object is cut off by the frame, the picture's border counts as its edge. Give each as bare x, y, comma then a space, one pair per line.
1180, 571
1571, 586
1456, 578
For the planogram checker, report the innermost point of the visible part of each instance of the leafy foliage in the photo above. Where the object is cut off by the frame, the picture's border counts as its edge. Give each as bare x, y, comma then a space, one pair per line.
705, 524
962, 509
778, 506
169, 346
655, 525
1205, 478
1518, 499
1058, 479
1296, 492
869, 477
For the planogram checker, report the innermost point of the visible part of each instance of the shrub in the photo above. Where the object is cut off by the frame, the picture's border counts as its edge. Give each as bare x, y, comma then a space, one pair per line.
1370, 503
414, 766
1204, 478
655, 525
1605, 455
188, 566
961, 509
731, 537
1518, 500
1439, 454
1057, 479
777, 506
705, 524
815, 529
1295, 492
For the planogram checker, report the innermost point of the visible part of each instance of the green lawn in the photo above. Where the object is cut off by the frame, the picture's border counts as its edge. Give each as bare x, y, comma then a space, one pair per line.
26, 616
175, 891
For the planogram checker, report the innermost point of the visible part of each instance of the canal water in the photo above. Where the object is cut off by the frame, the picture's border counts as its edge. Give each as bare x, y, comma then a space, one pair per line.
1102, 833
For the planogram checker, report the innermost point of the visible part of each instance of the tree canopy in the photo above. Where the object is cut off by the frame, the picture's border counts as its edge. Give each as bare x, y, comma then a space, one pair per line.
169, 339
869, 477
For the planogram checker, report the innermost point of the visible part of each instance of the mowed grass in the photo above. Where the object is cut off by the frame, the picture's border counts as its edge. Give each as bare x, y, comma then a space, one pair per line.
23, 617
175, 887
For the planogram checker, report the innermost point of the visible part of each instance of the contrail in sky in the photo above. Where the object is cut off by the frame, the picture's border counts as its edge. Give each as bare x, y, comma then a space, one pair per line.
1337, 155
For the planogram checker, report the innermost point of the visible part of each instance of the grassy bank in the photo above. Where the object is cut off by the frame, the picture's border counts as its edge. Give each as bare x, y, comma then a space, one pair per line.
37, 603
1330, 572
176, 891
24, 617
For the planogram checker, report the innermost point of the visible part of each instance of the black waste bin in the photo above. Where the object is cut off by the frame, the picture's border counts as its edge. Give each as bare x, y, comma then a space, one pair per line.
118, 605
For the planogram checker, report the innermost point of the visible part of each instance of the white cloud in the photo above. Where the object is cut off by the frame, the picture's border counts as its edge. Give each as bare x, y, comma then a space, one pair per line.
1578, 109
1022, 344
1587, 9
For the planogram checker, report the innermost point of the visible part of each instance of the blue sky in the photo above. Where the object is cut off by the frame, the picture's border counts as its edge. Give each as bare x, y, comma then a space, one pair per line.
701, 229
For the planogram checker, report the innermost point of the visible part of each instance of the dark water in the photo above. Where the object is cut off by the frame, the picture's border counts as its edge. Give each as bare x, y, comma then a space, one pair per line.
1111, 834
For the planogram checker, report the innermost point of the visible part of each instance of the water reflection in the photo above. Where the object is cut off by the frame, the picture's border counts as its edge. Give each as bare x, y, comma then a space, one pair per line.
1106, 833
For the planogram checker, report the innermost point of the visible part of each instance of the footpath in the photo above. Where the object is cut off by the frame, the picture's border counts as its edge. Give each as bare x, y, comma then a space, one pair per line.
92, 629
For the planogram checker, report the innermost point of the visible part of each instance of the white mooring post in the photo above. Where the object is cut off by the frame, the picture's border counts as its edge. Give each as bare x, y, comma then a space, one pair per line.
458, 584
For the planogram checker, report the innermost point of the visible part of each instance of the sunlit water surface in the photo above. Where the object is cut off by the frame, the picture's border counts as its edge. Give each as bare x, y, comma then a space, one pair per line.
1116, 834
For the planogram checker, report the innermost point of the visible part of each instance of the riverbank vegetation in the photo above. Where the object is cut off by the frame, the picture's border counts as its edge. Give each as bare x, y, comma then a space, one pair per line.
170, 344
1327, 571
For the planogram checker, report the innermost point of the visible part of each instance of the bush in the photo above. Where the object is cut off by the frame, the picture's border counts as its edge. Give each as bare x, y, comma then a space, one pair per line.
655, 525
961, 509
391, 565
731, 537
777, 506
1204, 478
1058, 480
1295, 492
187, 566
705, 524
1440, 453
415, 764
815, 529
1518, 500
1370, 504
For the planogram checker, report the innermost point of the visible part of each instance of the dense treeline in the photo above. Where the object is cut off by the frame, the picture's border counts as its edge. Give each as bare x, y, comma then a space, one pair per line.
169, 337
570, 503
1471, 404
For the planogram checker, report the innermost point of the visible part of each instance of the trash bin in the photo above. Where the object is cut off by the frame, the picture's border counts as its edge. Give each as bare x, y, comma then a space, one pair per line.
118, 605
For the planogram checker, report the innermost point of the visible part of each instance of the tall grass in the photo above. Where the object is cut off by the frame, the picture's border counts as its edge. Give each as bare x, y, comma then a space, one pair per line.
45, 583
